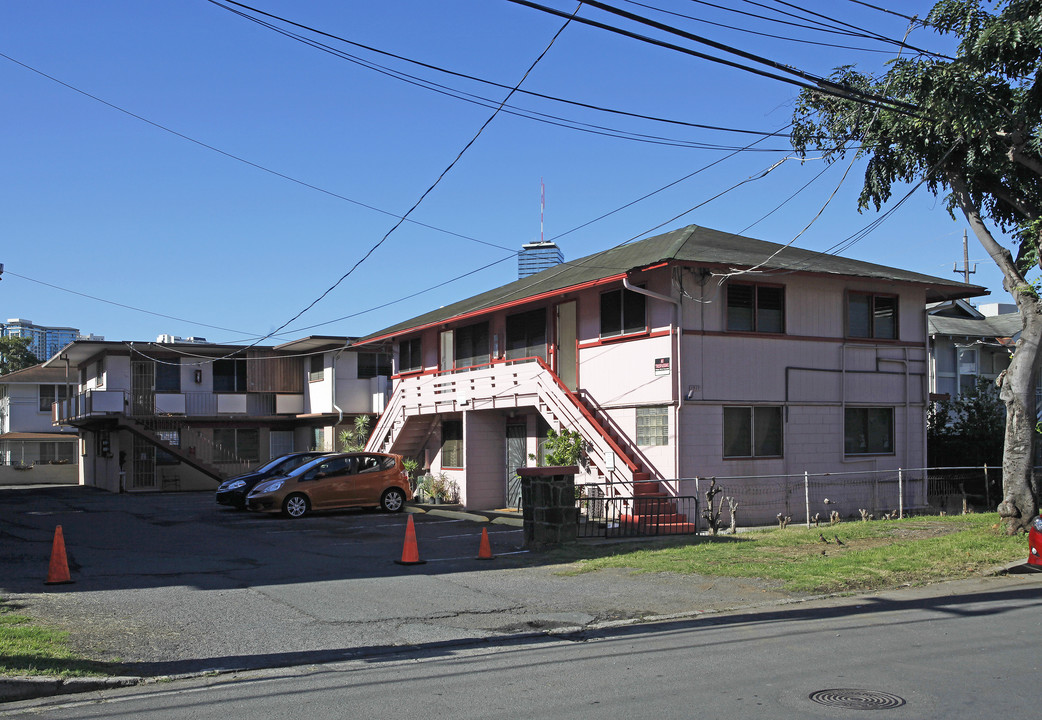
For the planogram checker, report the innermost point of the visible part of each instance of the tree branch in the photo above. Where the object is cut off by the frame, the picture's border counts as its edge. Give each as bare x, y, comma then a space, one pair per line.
1014, 281
1017, 155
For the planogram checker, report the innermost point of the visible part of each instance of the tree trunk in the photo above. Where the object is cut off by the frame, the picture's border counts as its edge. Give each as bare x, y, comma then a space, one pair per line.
1019, 503
1017, 390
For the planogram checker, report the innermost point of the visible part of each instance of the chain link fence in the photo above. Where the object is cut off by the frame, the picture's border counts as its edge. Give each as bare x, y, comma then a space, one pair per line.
812, 498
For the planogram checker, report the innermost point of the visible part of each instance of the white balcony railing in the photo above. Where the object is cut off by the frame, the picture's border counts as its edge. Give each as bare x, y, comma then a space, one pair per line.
503, 385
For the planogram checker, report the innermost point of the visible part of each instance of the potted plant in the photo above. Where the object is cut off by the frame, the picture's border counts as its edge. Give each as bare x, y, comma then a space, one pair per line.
425, 487
411, 465
439, 487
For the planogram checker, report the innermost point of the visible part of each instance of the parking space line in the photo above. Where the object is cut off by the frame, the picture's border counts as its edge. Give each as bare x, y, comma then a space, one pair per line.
475, 534
471, 557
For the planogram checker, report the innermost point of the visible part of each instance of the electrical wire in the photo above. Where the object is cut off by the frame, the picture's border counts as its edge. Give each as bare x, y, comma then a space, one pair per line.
753, 32
801, 78
242, 160
656, 192
902, 44
443, 89
433, 185
12, 273
881, 9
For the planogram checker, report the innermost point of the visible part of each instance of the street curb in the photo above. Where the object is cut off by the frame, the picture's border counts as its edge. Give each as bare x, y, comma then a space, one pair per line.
13, 689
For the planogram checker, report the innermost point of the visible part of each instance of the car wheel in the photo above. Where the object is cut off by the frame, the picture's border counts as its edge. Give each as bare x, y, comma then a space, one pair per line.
393, 500
296, 505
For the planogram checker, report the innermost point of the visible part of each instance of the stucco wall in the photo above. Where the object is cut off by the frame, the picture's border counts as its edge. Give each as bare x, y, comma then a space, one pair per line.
485, 459
40, 475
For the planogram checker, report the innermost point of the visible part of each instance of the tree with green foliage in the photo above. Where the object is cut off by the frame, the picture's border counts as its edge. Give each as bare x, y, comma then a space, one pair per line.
564, 449
15, 354
968, 128
966, 430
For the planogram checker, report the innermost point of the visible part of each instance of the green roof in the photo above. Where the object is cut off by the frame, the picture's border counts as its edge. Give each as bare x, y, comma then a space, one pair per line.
692, 244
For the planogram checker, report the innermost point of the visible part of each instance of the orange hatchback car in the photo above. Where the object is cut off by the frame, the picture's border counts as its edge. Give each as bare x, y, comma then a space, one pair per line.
360, 479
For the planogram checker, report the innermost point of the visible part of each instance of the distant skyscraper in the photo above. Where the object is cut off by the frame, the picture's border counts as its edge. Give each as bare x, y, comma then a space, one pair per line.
46, 341
537, 256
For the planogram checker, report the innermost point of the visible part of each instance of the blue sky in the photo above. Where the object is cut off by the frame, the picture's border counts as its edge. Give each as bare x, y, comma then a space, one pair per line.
250, 200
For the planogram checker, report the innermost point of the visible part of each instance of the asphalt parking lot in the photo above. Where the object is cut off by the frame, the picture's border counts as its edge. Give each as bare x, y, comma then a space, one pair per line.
173, 583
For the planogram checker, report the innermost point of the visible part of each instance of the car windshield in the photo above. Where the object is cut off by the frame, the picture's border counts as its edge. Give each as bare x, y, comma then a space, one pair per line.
301, 469
292, 463
271, 464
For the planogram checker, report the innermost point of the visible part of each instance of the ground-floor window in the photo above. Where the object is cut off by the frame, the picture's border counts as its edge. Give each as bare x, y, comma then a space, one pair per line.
171, 437
752, 432
653, 425
452, 443
237, 444
868, 431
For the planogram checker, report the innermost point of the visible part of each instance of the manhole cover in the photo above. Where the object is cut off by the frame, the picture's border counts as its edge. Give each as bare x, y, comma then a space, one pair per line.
857, 699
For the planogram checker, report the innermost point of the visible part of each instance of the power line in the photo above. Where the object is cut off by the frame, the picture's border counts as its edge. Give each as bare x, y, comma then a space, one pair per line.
902, 44
881, 9
442, 88
754, 32
122, 305
242, 160
801, 78
433, 185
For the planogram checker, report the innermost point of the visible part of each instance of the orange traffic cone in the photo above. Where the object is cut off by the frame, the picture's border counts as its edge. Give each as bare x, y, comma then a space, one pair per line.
410, 553
485, 551
58, 573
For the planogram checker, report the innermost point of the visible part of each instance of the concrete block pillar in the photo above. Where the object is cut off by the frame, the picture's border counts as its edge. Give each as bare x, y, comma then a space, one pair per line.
548, 505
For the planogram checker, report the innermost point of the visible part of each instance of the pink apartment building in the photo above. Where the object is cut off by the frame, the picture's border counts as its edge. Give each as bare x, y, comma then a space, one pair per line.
695, 353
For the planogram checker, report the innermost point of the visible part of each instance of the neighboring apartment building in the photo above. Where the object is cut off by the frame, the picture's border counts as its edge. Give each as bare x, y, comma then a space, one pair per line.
968, 342
691, 354
45, 340
27, 437
165, 416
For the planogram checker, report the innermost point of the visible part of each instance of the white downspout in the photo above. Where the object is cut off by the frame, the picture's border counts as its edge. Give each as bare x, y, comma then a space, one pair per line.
332, 393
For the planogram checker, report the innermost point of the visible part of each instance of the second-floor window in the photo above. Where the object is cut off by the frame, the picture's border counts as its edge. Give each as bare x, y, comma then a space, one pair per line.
168, 377
229, 375
410, 357
50, 394
871, 316
316, 368
623, 312
526, 334
755, 308
371, 365
471, 345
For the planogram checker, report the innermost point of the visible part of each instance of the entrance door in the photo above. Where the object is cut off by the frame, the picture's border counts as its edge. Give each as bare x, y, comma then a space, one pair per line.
517, 456
448, 361
567, 354
143, 387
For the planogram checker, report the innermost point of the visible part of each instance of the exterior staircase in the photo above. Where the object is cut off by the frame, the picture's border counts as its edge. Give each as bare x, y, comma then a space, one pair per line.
413, 410
655, 513
142, 431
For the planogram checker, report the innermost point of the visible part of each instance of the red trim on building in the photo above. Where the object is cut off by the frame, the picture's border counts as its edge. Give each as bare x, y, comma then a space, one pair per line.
495, 308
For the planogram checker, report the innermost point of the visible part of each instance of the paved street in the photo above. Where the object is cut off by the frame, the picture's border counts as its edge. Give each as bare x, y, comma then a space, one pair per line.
958, 650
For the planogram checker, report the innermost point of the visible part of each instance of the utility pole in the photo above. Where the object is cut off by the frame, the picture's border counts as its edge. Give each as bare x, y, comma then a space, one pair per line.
966, 272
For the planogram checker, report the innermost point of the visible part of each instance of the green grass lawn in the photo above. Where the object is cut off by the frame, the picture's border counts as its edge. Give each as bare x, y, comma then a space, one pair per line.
29, 648
873, 555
